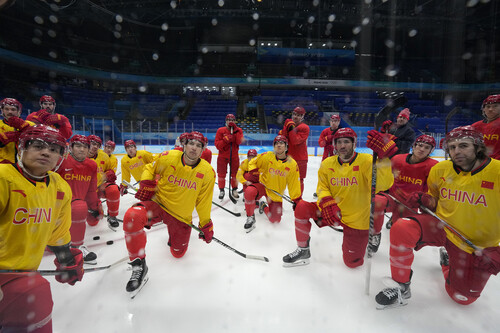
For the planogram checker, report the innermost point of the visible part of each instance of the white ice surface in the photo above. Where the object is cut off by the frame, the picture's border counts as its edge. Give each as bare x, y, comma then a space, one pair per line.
212, 289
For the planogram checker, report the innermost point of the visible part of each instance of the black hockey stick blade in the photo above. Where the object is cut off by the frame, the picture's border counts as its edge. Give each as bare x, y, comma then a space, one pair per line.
233, 199
227, 210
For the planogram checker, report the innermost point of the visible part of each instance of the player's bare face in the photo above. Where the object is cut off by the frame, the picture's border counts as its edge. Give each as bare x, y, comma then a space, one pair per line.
40, 157
345, 148
297, 118
463, 153
94, 147
334, 124
492, 111
49, 106
131, 150
421, 150
108, 150
280, 149
79, 151
192, 152
10, 111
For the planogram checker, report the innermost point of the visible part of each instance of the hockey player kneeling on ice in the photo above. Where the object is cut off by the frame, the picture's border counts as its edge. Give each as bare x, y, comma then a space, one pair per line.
463, 192
35, 211
275, 170
344, 194
185, 182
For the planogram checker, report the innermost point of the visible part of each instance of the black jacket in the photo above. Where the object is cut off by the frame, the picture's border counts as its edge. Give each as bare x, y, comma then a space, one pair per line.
405, 136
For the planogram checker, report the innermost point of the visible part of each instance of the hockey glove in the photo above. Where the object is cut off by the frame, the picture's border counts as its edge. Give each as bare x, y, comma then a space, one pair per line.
42, 115
252, 175
418, 199
382, 145
207, 232
147, 189
330, 212
232, 125
123, 189
7, 137
386, 125
55, 120
295, 203
18, 123
289, 125
488, 260
228, 138
74, 272
329, 139
110, 176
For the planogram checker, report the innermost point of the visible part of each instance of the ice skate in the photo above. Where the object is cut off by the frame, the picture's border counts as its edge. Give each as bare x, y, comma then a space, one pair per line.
89, 258
299, 257
235, 193
250, 223
139, 277
262, 206
113, 223
373, 244
395, 295
444, 260
221, 194
388, 225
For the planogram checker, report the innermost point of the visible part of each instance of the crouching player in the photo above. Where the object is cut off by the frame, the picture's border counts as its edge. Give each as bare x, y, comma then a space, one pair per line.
186, 182
465, 193
35, 212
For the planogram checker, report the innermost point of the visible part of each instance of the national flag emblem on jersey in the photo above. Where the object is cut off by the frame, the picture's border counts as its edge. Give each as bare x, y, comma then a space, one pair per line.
355, 168
60, 195
139, 157
287, 169
486, 184
199, 175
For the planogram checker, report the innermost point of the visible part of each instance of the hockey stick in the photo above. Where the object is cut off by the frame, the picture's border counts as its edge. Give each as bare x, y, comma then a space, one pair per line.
247, 256
59, 272
450, 114
381, 116
233, 200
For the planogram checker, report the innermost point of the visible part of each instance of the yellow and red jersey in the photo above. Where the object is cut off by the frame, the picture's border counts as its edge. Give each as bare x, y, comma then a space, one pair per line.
468, 201
103, 164
9, 151
491, 135
113, 162
135, 165
277, 174
349, 183
242, 170
32, 216
182, 188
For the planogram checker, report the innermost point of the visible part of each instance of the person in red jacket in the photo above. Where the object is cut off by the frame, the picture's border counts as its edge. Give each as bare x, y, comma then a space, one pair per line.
297, 132
80, 173
326, 137
490, 126
46, 115
227, 141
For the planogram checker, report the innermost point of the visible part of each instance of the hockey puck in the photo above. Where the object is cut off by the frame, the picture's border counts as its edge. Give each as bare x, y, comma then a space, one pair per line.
96, 238
110, 242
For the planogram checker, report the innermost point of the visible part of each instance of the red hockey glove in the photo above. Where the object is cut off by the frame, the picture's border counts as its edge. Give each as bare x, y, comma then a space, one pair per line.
74, 272
42, 115
147, 189
289, 125
232, 125
330, 212
383, 145
386, 125
488, 260
295, 203
55, 120
418, 199
207, 232
228, 138
110, 176
7, 137
18, 123
123, 189
252, 175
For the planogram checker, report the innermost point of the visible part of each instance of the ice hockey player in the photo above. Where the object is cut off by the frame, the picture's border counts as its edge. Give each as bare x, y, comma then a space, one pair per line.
186, 183
10, 128
410, 175
109, 148
80, 173
47, 115
133, 163
344, 195
227, 141
36, 212
106, 186
490, 126
464, 193
297, 132
326, 137
270, 174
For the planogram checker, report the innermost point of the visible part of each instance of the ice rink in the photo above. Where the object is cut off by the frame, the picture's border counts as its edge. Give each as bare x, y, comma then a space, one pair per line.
212, 289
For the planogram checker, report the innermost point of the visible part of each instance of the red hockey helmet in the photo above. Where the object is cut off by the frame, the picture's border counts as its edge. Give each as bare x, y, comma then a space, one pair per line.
280, 138
345, 132
11, 102
47, 98
95, 138
79, 138
299, 110
129, 143
110, 143
335, 116
491, 99
251, 153
464, 132
183, 138
197, 136
230, 117
42, 133
426, 139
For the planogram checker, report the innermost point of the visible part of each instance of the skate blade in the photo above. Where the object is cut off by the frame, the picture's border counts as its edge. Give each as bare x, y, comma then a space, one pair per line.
301, 262
135, 292
250, 229
393, 305
112, 228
